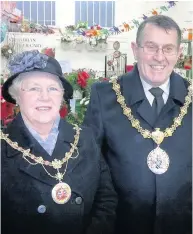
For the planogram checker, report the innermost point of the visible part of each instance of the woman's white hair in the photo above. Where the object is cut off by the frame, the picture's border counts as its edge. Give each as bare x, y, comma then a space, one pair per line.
17, 82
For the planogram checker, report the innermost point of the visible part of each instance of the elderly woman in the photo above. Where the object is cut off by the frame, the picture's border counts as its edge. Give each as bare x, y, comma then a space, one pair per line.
54, 179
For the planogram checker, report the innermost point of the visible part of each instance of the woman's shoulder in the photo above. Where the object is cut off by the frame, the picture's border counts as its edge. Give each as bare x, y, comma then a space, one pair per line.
3, 136
4, 144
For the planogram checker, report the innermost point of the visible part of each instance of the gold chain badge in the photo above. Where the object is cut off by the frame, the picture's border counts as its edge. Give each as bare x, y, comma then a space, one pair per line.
158, 159
61, 192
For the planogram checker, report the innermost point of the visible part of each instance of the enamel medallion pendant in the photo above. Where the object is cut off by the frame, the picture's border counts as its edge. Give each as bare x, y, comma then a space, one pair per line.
61, 193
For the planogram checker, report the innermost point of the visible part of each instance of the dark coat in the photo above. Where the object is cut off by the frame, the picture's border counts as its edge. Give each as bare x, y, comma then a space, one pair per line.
25, 187
148, 203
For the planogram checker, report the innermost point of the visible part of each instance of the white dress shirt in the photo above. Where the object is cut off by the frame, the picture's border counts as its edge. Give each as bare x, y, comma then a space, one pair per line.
165, 87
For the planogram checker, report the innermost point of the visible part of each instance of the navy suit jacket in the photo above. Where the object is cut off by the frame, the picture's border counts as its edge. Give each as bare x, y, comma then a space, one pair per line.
148, 203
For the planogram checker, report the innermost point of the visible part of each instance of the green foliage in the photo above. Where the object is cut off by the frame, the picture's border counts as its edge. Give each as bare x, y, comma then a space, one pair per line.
78, 116
90, 81
72, 78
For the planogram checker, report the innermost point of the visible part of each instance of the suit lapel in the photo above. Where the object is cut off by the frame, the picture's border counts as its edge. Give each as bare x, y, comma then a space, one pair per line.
146, 113
135, 97
26, 140
176, 99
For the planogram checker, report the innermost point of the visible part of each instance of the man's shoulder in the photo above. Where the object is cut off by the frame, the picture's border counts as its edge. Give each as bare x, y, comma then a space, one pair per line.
182, 79
106, 86
186, 82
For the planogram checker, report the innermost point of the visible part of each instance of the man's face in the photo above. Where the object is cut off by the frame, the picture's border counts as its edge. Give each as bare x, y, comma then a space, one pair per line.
155, 66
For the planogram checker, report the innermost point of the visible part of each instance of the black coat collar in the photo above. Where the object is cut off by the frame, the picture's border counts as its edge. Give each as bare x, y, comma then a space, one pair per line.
19, 133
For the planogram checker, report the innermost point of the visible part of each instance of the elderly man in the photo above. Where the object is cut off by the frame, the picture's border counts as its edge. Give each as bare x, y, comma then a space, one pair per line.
143, 124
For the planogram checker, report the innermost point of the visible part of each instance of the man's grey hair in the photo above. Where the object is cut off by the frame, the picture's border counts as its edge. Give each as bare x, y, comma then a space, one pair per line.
17, 83
160, 21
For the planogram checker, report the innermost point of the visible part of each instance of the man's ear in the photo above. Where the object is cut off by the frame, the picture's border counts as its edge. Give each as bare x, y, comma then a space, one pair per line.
180, 51
134, 48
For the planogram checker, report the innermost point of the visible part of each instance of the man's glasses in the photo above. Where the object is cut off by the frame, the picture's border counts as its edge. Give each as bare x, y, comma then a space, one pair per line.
167, 50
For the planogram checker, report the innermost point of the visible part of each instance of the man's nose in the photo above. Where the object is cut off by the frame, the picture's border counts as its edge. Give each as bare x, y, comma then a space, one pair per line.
159, 56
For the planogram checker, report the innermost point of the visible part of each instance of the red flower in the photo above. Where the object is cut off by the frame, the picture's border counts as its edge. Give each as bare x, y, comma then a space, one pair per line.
129, 68
63, 112
187, 67
104, 79
98, 27
82, 82
85, 75
82, 79
49, 52
7, 109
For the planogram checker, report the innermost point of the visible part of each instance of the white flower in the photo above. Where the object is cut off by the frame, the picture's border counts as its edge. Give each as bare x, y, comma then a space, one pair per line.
10, 51
86, 103
113, 77
82, 101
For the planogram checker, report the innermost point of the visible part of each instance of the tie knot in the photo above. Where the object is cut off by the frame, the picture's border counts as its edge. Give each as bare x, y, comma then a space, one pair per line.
156, 92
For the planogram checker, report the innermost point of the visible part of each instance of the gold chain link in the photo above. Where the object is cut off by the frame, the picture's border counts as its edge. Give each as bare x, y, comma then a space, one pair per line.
135, 122
56, 164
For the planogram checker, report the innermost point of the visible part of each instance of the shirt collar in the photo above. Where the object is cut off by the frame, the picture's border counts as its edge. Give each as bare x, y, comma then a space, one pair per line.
165, 87
53, 129
56, 124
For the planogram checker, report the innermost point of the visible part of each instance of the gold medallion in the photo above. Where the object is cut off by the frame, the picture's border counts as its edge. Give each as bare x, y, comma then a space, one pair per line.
158, 161
61, 193
157, 136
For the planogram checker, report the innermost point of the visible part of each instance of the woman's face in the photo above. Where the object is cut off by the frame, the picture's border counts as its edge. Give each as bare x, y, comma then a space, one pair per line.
40, 98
